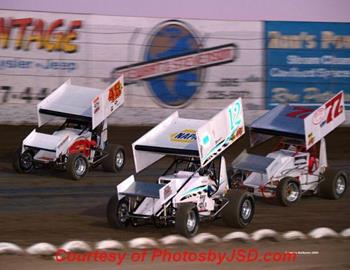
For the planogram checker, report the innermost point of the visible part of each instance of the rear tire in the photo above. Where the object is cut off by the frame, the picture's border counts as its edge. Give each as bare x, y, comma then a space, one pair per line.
77, 166
335, 184
115, 160
186, 219
117, 212
23, 162
239, 211
288, 191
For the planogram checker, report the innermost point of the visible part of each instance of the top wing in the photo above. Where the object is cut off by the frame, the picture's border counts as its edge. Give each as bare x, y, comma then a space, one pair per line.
190, 137
173, 136
81, 103
299, 122
283, 120
69, 101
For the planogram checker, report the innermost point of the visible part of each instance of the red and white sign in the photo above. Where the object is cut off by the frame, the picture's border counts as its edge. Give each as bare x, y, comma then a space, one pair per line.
207, 57
107, 102
318, 116
323, 120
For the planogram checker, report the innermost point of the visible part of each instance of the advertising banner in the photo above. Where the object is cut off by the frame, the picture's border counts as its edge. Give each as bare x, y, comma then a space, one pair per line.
190, 64
196, 65
306, 62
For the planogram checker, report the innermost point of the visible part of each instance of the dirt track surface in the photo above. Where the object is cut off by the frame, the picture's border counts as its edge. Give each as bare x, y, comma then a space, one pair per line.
46, 207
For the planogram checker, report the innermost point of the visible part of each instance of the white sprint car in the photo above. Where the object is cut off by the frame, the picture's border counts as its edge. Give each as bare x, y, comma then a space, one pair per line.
81, 142
195, 186
298, 164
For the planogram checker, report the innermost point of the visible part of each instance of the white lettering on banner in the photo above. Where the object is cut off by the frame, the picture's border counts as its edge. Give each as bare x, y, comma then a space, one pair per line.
324, 60
308, 96
307, 73
178, 64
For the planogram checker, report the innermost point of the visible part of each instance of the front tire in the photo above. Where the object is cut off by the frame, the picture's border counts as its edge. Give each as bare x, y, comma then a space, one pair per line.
335, 184
117, 211
288, 191
115, 160
23, 162
77, 166
239, 211
186, 219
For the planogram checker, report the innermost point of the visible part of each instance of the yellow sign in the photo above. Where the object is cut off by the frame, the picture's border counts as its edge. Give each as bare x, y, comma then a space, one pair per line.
185, 136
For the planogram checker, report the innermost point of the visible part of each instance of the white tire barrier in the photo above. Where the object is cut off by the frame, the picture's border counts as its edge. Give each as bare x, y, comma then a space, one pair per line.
109, 245
42, 249
173, 240
10, 249
294, 235
205, 238
264, 234
76, 246
142, 243
345, 233
323, 232
47, 249
236, 236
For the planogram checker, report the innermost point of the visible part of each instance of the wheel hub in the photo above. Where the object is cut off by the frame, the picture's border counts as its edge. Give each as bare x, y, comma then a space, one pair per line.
246, 209
80, 167
26, 160
123, 212
292, 192
191, 221
119, 159
340, 185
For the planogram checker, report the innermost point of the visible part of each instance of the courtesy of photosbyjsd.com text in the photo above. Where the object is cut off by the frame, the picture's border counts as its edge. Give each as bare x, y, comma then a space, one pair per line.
209, 256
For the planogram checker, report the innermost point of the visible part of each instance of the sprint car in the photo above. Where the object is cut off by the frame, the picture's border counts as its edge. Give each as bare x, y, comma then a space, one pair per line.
298, 164
81, 141
195, 186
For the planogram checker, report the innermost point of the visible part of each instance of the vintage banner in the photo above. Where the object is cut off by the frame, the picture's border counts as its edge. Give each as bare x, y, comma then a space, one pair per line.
196, 65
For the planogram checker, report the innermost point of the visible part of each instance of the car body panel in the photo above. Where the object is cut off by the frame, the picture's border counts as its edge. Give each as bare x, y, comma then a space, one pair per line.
85, 106
304, 157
